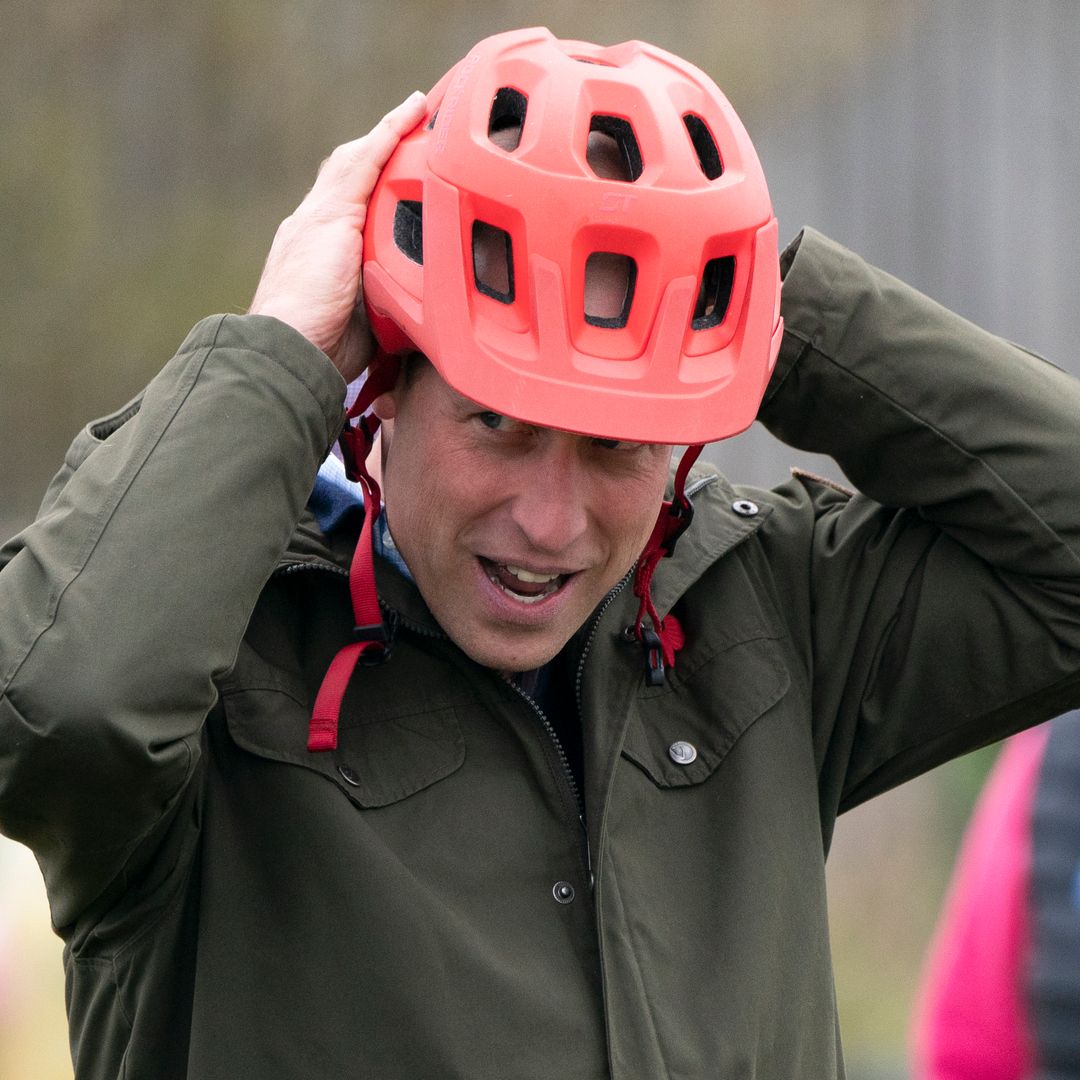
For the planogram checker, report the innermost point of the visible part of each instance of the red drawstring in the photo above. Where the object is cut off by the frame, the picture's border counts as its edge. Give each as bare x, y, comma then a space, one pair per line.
666, 636
372, 641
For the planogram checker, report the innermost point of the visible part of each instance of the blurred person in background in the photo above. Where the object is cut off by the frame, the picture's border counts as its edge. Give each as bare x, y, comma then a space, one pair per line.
1001, 993
535, 772
30, 1005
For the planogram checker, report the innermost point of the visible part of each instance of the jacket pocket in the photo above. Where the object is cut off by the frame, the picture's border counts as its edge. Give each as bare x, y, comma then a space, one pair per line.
380, 759
680, 734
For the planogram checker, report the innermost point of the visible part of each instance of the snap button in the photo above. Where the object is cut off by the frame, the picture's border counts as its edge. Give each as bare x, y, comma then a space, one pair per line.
563, 891
682, 753
349, 775
744, 507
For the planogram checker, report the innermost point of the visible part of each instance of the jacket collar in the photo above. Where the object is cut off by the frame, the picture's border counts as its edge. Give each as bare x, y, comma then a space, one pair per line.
723, 518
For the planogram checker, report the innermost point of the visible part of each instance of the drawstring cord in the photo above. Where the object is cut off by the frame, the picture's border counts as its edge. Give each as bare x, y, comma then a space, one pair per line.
371, 642
664, 637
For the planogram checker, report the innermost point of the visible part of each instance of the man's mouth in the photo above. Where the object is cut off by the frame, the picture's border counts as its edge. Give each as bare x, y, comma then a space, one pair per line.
525, 586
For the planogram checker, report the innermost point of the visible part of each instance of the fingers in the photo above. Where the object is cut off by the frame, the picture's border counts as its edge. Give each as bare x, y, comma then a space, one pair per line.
350, 172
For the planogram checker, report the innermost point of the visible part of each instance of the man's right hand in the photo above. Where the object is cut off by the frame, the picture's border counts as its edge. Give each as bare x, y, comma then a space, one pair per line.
311, 279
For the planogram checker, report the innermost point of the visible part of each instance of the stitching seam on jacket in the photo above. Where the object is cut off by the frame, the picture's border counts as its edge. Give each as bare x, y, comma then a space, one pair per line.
1001, 483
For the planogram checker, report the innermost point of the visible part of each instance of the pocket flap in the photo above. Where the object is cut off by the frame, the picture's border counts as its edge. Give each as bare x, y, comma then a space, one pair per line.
681, 733
379, 760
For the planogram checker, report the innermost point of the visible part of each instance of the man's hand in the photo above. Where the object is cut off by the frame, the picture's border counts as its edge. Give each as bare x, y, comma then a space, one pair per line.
312, 275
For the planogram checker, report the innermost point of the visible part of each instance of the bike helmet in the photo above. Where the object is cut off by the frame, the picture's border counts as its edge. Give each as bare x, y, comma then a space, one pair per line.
492, 222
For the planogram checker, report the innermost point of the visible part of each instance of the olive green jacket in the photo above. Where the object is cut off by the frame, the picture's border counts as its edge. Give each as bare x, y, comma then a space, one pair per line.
426, 901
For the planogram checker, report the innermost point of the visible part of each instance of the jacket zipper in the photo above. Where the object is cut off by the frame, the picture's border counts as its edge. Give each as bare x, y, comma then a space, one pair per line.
296, 568
545, 724
700, 485
568, 774
607, 602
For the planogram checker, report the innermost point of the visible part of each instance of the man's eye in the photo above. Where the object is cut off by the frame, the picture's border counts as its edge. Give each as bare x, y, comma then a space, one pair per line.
616, 444
505, 425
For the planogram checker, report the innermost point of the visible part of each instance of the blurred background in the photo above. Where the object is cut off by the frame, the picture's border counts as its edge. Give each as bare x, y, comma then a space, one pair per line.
148, 151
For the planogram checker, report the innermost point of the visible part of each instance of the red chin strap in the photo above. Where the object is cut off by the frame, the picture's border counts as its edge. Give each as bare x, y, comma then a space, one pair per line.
665, 637
371, 642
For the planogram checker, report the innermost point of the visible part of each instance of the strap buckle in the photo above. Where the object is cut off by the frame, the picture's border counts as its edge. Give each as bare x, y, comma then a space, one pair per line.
376, 641
681, 513
654, 657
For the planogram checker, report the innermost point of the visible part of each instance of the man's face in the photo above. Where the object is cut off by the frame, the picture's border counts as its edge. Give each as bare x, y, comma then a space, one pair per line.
513, 533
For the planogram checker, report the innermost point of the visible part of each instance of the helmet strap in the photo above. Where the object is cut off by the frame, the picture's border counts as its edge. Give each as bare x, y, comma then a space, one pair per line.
371, 642
664, 637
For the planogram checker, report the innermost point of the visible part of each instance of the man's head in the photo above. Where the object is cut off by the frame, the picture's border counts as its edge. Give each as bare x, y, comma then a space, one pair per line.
513, 532
581, 241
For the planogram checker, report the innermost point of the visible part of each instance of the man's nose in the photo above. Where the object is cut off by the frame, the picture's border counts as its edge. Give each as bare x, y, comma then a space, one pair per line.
552, 500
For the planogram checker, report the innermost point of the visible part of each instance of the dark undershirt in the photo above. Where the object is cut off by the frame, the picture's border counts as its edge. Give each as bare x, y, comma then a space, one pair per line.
553, 689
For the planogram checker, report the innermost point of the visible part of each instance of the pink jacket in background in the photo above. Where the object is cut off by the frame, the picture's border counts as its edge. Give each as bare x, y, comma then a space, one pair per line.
971, 1021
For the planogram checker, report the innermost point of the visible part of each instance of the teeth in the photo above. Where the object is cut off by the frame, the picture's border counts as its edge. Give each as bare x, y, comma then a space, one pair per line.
528, 575
550, 583
522, 599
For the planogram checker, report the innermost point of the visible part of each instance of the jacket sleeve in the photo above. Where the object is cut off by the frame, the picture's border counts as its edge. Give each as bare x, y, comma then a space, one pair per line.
943, 598
127, 598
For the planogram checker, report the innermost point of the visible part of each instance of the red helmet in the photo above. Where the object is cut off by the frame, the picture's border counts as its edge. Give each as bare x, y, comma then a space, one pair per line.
492, 226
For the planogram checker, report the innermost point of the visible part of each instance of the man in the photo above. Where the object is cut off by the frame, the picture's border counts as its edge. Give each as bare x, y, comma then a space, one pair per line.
559, 804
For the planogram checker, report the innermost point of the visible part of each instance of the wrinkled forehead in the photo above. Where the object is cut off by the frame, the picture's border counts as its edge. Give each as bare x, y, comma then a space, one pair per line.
417, 368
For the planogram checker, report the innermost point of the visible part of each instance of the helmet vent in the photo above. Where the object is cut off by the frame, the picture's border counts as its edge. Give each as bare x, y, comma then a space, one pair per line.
613, 152
507, 118
493, 262
708, 153
609, 289
409, 230
715, 293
